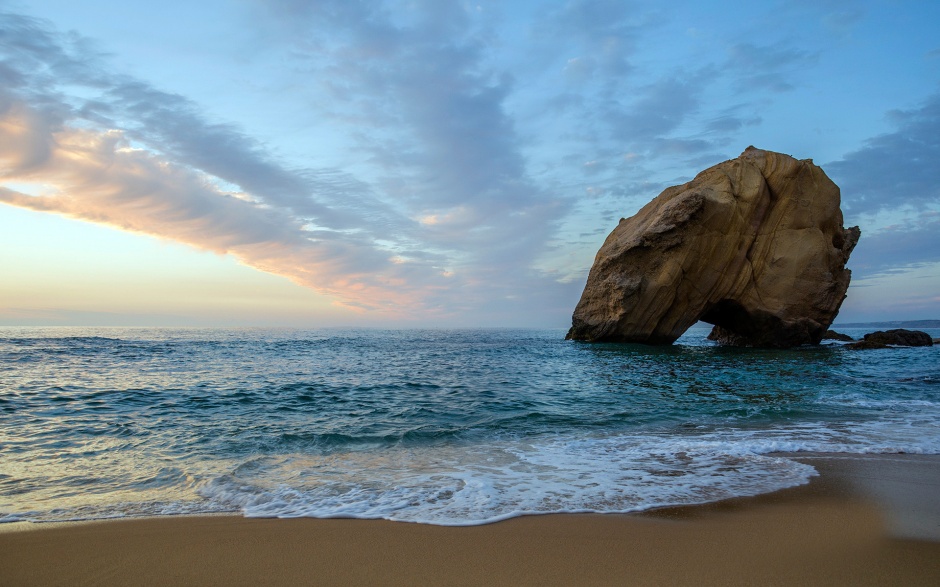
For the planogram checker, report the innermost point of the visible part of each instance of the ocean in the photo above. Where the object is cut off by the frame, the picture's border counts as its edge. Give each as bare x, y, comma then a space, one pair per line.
449, 427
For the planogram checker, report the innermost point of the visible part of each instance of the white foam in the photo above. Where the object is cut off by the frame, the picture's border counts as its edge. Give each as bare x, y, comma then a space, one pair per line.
495, 481
896, 404
466, 484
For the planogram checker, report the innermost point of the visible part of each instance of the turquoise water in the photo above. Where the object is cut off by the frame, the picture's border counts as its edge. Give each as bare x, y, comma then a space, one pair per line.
448, 427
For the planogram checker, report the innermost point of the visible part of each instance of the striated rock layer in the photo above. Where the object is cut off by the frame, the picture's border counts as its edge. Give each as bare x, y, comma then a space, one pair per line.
754, 246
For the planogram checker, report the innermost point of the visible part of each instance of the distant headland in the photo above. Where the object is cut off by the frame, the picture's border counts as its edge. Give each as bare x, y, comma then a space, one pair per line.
891, 324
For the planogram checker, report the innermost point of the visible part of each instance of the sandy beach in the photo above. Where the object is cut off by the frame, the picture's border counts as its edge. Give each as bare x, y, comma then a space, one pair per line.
866, 520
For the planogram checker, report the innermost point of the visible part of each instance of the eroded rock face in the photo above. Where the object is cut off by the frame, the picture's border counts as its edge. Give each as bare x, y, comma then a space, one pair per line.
754, 246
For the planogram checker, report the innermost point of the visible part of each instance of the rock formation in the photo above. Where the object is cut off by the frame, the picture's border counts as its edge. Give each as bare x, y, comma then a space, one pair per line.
897, 337
833, 335
754, 246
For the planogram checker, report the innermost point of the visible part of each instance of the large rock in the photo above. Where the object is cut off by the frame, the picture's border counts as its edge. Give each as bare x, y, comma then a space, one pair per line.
898, 337
754, 246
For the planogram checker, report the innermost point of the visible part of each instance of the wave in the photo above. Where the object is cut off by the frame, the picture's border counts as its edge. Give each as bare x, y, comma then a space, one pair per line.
469, 482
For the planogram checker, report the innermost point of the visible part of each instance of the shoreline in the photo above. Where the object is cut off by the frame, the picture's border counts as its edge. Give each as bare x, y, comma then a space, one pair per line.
865, 520
901, 487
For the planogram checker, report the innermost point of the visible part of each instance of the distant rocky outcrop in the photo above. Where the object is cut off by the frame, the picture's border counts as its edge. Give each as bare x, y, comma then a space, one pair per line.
833, 335
754, 246
897, 337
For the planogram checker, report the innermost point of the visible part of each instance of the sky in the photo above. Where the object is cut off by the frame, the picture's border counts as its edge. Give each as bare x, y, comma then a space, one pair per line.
431, 163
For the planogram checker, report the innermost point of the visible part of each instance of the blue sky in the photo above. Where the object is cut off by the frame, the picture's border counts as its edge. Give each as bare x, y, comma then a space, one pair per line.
430, 162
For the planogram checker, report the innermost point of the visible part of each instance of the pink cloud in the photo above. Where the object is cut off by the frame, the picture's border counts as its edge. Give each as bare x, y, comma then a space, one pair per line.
98, 177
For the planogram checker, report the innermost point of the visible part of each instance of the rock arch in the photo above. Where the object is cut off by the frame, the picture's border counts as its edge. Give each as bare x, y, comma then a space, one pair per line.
754, 246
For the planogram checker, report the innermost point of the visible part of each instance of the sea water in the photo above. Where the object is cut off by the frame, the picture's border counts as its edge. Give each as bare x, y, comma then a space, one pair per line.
452, 427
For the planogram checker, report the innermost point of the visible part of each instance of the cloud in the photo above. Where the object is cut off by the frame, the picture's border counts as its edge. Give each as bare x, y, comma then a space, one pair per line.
112, 149
657, 111
895, 173
440, 130
728, 123
156, 176
47, 66
99, 177
897, 168
769, 67
898, 248
837, 15
605, 34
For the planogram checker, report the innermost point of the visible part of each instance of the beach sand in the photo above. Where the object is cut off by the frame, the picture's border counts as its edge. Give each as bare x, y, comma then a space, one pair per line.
866, 520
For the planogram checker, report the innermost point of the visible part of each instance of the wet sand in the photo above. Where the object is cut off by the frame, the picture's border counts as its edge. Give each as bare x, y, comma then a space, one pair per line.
866, 520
